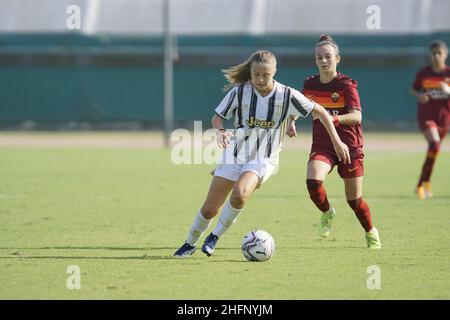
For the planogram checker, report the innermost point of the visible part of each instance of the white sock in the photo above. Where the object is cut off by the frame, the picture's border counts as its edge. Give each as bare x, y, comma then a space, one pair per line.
228, 216
197, 228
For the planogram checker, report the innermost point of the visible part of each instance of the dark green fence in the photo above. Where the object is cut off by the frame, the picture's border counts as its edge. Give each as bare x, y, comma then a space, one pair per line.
54, 79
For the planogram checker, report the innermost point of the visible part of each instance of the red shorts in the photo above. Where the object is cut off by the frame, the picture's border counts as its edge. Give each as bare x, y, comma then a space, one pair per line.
433, 117
348, 170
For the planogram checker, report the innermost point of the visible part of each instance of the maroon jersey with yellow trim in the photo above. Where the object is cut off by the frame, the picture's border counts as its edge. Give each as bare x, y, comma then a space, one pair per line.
429, 82
337, 97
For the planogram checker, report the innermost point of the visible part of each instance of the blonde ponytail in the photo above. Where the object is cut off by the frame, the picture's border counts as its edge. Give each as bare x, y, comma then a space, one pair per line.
241, 73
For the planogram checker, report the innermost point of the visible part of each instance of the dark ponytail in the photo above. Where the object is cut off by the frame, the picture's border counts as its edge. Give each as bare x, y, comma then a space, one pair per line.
327, 39
438, 44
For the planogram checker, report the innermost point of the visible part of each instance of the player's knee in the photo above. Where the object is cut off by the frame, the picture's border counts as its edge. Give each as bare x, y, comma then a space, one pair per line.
209, 210
237, 201
433, 148
313, 184
239, 197
316, 192
356, 203
430, 124
313, 187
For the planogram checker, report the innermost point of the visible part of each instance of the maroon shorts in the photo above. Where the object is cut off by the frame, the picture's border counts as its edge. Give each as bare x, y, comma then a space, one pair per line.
434, 117
348, 170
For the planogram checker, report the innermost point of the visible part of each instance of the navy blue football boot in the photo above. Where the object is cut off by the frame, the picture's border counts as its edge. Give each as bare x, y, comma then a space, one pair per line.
210, 244
186, 250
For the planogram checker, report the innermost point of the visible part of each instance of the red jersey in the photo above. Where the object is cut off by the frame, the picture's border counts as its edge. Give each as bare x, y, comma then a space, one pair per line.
427, 81
337, 97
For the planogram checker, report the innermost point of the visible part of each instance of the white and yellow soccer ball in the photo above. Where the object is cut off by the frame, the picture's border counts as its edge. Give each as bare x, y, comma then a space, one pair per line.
258, 245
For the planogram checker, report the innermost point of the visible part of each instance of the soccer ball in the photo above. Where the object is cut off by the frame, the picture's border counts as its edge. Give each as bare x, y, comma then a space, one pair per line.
258, 245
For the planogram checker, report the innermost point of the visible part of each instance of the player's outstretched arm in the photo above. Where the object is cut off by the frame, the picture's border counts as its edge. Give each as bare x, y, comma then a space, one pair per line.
340, 147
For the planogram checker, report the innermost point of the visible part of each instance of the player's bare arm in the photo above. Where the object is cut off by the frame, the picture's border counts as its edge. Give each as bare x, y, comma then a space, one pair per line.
340, 147
422, 97
223, 137
292, 130
445, 88
353, 117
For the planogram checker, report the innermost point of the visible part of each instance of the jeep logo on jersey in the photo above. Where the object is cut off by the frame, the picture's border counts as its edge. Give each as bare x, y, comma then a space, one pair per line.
335, 96
263, 124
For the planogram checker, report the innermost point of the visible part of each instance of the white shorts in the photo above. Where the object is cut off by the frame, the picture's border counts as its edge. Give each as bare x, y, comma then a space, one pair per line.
232, 171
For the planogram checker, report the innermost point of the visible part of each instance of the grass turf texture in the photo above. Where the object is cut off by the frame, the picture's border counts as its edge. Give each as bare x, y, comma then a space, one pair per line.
119, 214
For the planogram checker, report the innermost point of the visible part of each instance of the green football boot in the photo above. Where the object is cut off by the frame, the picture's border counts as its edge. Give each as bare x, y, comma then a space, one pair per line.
326, 221
373, 239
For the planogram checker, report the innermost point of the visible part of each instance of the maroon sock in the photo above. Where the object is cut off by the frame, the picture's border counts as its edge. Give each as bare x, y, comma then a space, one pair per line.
318, 194
362, 212
427, 168
442, 133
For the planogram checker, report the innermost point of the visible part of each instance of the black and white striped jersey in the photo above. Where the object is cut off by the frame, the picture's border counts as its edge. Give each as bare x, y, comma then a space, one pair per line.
251, 110
267, 116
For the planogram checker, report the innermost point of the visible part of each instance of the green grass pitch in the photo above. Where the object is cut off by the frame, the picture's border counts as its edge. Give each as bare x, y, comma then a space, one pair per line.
119, 214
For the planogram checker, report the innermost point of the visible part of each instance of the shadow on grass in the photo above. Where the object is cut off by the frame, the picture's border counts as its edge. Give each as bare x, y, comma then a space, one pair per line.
99, 248
144, 257
147, 253
90, 248
18, 254
90, 258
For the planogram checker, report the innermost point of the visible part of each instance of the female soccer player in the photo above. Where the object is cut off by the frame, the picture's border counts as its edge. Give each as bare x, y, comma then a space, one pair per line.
433, 112
338, 94
260, 105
